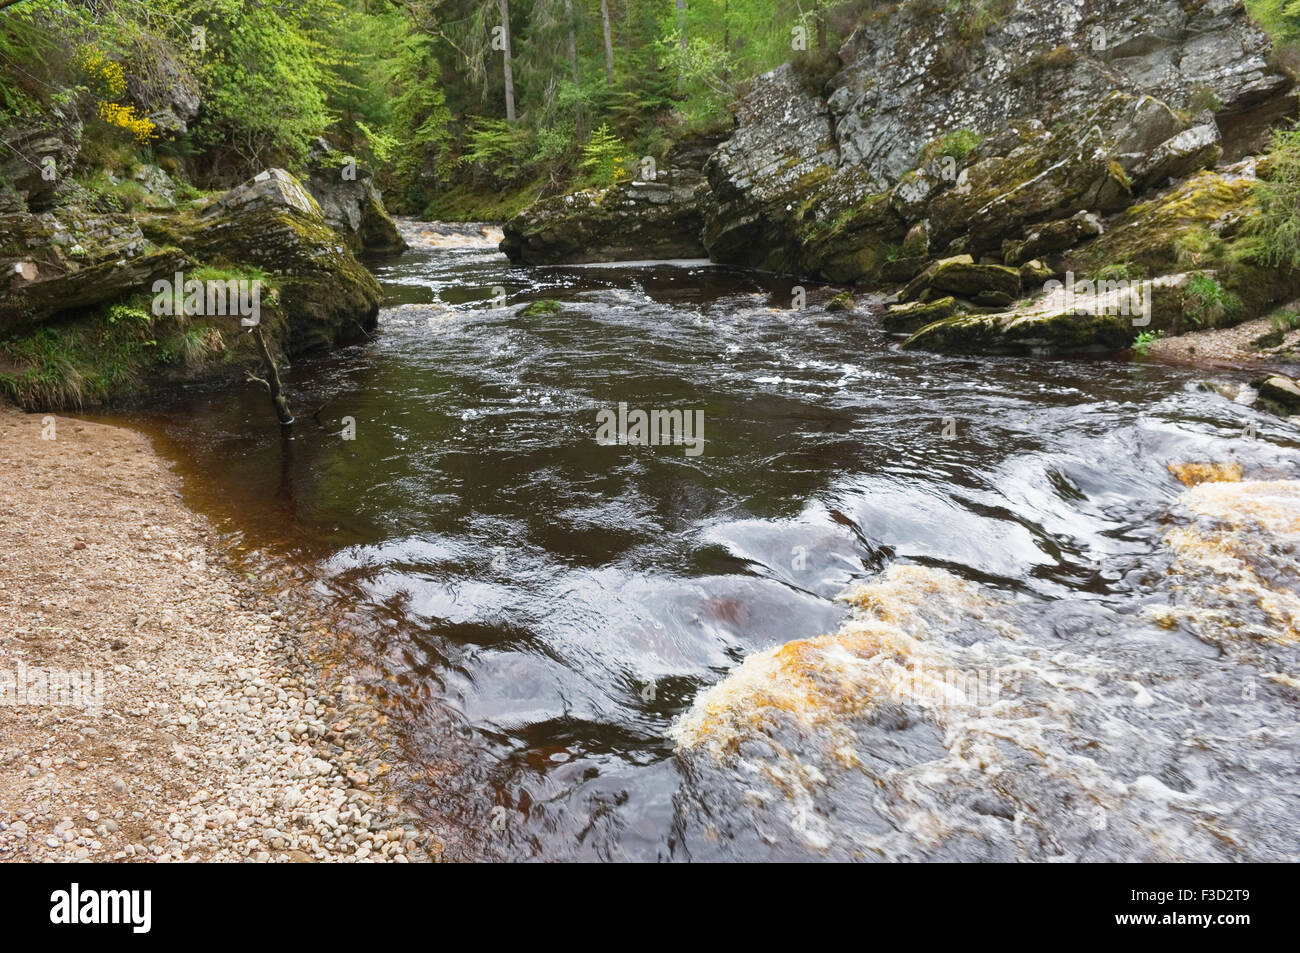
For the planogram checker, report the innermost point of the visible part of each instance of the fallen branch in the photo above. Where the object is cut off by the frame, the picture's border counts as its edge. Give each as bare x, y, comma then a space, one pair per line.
272, 380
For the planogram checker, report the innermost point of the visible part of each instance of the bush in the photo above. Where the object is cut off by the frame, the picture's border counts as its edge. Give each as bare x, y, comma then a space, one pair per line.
1206, 301
604, 158
1277, 192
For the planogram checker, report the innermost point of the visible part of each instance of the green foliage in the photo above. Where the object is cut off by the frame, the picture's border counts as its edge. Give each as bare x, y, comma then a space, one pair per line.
957, 144
501, 149
1281, 20
1285, 320
974, 18
540, 309
38, 40
1206, 301
419, 121
1118, 271
1142, 343
604, 158
1277, 193
264, 82
103, 356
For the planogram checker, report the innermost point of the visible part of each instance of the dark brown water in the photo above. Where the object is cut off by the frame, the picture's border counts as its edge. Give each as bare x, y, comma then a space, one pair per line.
542, 608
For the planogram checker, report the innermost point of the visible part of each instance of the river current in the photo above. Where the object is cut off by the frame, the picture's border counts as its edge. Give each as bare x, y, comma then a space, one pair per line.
898, 606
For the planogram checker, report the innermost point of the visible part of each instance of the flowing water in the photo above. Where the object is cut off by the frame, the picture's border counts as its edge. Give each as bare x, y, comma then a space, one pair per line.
1027, 666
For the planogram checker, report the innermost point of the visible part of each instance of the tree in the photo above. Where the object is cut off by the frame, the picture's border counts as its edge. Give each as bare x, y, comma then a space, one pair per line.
507, 73
609, 43
573, 63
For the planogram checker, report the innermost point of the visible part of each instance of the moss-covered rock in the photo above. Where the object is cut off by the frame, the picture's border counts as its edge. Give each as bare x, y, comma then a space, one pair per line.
326, 294
1035, 272
1062, 321
1051, 237
1150, 234
1202, 223
75, 278
914, 315
539, 309
630, 221
960, 275
842, 302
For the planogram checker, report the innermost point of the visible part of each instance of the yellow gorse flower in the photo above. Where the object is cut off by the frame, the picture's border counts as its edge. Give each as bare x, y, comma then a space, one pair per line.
109, 80
108, 75
124, 117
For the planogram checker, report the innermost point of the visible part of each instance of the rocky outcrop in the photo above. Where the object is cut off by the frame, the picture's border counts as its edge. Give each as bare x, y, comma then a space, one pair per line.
1012, 134
915, 315
33, 161
638, 219
271, 222
960, 275
165, 89
78, 309
68, 259
350, 202
1063, 319
985, 131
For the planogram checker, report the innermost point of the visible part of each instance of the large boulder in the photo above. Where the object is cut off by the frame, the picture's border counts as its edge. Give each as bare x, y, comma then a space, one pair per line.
1051, 237
913, 315
1063, 320
57, 265
631, 220
69, 259
350, 202
271, 222
960, 275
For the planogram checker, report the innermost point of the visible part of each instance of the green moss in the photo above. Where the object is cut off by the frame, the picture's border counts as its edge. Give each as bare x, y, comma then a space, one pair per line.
541, 308
121, 351
1058, 57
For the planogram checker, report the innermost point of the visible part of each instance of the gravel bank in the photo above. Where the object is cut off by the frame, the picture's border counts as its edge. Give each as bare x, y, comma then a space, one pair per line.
202, 729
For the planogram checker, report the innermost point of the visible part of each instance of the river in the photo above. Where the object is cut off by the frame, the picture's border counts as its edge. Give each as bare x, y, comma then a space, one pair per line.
540, 610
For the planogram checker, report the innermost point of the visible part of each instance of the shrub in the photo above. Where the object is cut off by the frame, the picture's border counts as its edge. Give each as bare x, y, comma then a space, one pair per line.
1277, 193
604, 158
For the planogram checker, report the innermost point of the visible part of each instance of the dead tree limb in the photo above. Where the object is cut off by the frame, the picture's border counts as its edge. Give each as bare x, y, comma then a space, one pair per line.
272, 380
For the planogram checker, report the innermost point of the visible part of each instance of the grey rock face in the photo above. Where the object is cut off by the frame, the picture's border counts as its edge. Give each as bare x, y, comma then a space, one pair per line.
351, 203
269, 189
1071, 105
33, 161
167, 91
783, 148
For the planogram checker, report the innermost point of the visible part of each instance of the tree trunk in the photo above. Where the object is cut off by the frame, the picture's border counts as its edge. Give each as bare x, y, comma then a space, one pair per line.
573, 62
681, 40
504, 6
821, 29
609, 43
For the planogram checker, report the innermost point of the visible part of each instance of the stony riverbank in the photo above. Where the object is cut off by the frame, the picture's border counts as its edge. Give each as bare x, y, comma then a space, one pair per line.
217, 735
